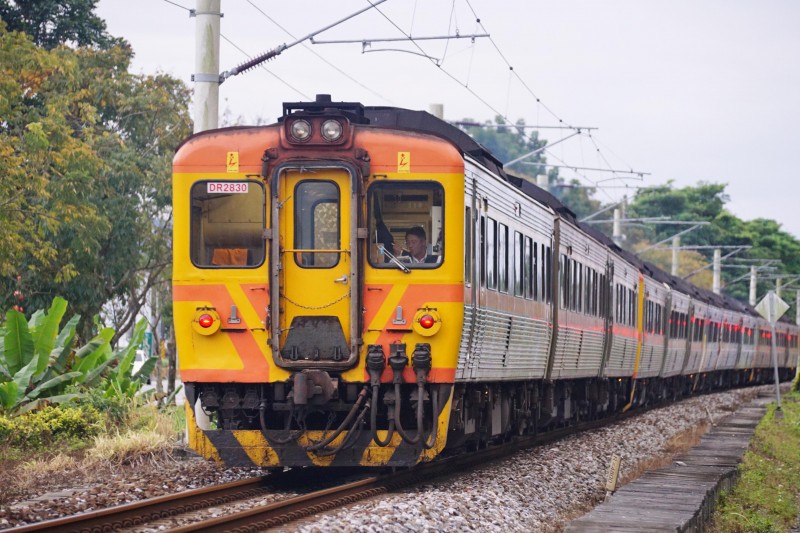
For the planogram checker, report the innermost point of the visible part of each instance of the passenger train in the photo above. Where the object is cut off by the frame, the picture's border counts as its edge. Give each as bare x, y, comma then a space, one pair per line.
309, 334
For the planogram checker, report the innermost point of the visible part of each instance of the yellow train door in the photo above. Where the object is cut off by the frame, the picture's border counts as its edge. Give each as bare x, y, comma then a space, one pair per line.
314, 266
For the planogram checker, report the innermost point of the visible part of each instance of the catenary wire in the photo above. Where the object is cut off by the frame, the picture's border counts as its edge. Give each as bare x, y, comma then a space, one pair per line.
222, 35
340, 71
286, 83
530, 91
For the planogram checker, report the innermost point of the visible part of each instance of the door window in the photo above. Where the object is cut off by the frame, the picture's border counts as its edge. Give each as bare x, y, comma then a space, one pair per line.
316, 224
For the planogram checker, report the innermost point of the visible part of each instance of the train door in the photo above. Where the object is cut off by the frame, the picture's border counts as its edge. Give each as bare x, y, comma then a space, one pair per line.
314, 266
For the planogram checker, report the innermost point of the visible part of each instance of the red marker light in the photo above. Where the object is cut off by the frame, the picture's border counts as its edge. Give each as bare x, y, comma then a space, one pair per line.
206, 321
427, 321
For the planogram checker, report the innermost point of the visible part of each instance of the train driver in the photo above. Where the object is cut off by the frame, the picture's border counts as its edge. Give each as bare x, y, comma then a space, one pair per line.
417, 245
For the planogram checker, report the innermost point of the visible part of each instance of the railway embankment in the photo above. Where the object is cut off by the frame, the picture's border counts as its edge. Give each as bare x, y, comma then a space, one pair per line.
743, 476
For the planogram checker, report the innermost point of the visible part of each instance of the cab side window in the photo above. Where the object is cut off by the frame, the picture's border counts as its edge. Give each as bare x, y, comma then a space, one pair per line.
227, 222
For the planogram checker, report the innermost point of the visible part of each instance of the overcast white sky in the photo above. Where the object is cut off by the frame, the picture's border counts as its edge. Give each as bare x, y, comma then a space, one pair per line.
685, 90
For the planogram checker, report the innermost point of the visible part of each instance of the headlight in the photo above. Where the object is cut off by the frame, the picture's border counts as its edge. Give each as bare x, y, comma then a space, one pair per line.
301, 130
331, 130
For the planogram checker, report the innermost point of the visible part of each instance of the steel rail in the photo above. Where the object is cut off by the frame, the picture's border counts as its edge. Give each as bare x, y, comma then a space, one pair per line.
152, 509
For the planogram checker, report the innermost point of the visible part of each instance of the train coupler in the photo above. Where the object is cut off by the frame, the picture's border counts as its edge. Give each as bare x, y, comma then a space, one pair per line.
314, 387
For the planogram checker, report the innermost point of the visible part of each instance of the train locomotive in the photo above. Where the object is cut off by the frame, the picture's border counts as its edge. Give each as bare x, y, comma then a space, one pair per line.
309, 335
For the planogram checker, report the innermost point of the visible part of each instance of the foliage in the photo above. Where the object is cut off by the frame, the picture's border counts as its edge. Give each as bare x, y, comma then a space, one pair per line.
85, 155
53, 22
767, 496
50, 425
706, 202
38, 365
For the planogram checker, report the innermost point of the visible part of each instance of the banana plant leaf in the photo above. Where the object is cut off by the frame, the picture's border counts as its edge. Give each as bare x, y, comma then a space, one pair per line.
46, 331
63, 346
36, 319
9, 393
94, 352
146, 369
23, 377
128, 354
58, 380
63, 398
18, 345
93, 375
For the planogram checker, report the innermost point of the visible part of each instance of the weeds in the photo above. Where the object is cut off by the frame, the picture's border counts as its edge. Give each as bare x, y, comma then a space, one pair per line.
767, 497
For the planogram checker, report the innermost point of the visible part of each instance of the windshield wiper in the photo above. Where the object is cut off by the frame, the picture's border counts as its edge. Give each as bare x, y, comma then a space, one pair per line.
396, 261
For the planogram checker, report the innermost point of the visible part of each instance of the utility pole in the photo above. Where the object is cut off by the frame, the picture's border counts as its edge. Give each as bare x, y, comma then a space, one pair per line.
753, 281
717, 270
778, 286
676, 245
617, 228
206, 65
437, 110
543, 182
206, 100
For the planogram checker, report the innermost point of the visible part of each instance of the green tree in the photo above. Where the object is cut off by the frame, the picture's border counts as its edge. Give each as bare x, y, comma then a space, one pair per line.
87, 147
706, 202
51, 23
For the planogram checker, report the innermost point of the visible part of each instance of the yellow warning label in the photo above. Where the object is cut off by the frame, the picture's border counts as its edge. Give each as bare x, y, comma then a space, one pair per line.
233, 161
404, 161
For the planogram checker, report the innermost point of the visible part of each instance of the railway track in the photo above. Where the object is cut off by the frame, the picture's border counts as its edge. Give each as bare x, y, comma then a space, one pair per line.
263, 516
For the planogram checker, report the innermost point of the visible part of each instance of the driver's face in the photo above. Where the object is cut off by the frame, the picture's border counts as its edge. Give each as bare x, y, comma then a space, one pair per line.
418, 247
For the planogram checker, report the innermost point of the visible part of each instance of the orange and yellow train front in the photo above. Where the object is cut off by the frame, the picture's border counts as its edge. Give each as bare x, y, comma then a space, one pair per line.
318, 305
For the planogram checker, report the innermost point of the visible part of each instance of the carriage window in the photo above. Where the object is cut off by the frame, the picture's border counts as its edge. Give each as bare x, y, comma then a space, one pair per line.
227, 221
519, 266
547, 275
406, 221
316, 224
491, 254
530, 268
468, 246
502, 257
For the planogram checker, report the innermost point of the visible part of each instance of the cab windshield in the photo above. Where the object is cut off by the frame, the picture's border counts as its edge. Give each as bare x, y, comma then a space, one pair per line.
406, 225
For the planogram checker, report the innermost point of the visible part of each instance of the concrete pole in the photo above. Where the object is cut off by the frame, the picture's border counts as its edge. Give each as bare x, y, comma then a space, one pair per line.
717, 270
778, 283
617, 234
206, 102
206, 65
676, 244
753, 275
437, 110
797, 307
543, 182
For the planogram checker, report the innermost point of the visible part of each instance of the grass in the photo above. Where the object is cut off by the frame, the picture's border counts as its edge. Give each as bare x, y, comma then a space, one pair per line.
766, 498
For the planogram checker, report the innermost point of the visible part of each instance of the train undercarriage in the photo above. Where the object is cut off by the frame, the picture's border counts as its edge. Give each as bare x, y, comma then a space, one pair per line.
348, 418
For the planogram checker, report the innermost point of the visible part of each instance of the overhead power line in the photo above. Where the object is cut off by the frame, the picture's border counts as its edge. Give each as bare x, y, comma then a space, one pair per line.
337, 69
244, 67
400, 39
